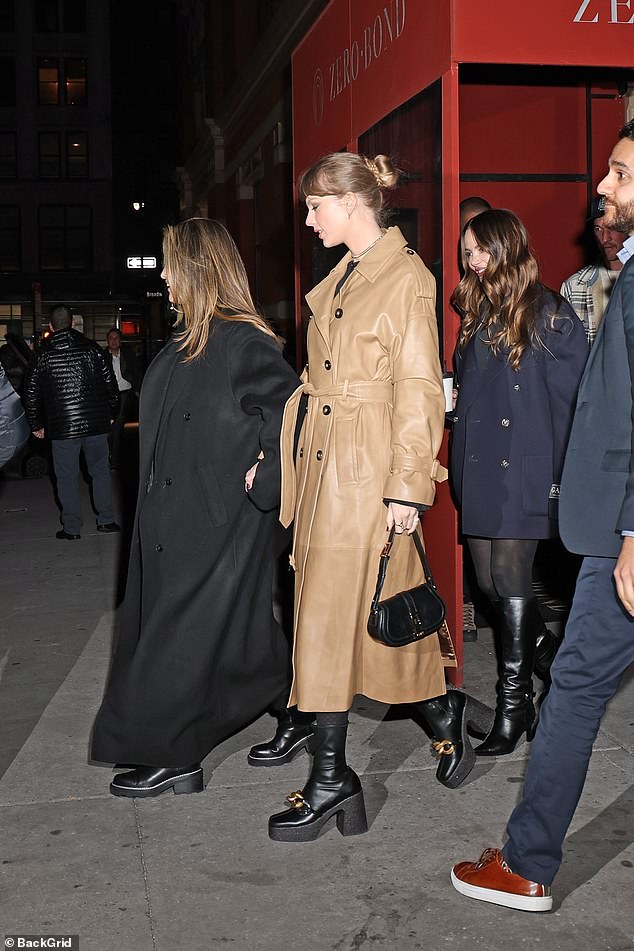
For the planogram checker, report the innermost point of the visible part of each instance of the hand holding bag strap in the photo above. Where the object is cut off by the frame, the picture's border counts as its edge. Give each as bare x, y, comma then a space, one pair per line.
385, 557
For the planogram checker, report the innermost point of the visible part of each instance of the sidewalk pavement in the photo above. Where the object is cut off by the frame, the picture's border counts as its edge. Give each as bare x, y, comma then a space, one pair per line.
198, 872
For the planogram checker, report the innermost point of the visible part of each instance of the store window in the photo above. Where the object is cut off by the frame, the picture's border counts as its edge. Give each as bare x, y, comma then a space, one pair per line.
48, 82
65, 233
9, 238
75, 82
77, 155
7, 16
8, 155
49, 155
7, 81
412, 136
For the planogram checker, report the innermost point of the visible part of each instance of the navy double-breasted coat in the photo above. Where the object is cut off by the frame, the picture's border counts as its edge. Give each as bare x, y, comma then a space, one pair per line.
199, 653
510, 428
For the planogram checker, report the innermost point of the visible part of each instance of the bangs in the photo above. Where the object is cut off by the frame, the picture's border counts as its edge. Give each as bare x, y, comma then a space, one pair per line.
315, 182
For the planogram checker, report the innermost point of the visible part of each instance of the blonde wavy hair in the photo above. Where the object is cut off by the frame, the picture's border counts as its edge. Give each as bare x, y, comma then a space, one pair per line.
208, 281
342, 172
505, 298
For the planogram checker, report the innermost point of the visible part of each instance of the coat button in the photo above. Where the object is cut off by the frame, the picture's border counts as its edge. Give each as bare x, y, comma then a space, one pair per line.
517, 387
158, 548
168, 481
327, 365
187, 416
301, 453
326, 410
454, 419
409, 251
319, 455
338, 313
505, 463
505, 422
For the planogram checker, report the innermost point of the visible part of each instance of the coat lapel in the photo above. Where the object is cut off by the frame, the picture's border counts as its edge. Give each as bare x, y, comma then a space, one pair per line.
481, 379
154, 400
320, 299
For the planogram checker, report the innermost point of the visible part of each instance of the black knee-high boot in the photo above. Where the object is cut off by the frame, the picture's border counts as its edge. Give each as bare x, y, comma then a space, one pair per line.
294, 733
447, 718
333, 789
514, 713
546, 647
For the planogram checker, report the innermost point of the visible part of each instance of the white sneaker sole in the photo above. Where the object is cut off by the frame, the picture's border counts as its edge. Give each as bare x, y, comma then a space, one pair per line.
521, 902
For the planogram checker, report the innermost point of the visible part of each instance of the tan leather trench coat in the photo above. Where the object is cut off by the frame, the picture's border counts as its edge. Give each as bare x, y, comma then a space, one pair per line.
372, 431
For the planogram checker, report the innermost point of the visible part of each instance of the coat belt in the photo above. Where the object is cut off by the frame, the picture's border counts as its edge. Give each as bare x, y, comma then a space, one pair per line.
362, 391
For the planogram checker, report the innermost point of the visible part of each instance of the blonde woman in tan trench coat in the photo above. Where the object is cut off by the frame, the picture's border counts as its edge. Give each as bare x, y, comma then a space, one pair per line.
365, 460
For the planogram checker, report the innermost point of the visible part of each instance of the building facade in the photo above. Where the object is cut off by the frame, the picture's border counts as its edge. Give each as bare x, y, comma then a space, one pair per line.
235, 108
87, 156
55, 160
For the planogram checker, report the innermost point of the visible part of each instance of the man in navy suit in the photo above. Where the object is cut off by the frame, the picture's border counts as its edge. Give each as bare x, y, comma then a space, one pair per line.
597, 521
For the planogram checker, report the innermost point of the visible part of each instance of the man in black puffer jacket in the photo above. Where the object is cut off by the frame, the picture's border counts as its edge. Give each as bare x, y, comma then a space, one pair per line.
72, 393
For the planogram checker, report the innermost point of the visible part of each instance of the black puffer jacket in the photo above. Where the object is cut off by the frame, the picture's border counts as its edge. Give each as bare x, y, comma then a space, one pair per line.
70, 389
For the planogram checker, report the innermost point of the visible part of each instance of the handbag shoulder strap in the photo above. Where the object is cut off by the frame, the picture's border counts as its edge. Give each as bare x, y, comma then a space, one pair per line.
385, 557
423, 558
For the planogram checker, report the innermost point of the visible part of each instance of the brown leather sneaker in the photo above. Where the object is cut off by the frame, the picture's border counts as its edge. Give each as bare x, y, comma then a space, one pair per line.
490, 879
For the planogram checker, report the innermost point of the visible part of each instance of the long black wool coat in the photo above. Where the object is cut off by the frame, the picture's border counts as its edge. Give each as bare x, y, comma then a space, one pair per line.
199, 653
510, 428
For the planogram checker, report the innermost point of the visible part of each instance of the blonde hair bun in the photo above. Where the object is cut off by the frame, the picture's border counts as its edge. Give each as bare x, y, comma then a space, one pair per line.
384, 171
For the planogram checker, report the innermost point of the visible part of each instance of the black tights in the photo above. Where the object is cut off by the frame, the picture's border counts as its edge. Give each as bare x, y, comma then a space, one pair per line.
504, 566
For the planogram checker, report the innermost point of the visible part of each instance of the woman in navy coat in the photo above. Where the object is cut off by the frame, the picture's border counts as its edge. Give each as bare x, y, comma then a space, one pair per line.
519, 360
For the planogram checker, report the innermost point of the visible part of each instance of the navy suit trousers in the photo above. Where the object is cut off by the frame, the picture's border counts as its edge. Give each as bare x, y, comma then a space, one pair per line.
597, 649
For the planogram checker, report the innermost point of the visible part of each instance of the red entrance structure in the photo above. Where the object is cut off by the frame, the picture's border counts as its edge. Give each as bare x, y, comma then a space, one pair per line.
516, 101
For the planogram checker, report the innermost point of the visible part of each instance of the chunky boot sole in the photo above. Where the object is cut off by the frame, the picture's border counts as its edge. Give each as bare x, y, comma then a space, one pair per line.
351, 820
475, 715
307, 743
183, 784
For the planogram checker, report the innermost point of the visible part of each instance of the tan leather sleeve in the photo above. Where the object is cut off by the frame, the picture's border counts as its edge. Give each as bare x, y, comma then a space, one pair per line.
419, 408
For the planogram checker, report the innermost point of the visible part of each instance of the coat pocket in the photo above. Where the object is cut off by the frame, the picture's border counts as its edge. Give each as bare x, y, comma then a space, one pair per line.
345, 445
536, 484
614, 460
212, 498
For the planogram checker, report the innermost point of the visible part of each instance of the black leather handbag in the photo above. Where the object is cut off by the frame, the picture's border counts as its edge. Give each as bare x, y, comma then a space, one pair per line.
410, 615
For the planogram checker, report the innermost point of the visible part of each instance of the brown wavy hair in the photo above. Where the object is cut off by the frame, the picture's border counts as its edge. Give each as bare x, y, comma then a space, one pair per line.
506, 297
208, 281
342, 172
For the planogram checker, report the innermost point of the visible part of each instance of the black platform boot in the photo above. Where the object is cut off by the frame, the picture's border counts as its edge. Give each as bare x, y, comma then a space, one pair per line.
447, 718
514, 713
333, 789
294, 733
145, 781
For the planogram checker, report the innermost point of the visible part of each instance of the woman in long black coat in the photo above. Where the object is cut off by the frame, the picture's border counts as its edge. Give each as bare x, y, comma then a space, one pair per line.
519, 360
200, 654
